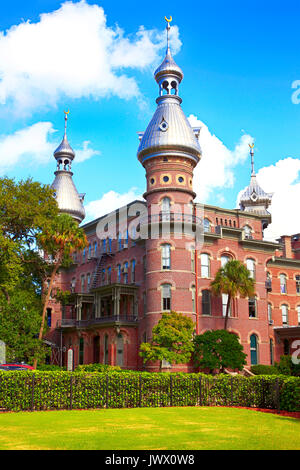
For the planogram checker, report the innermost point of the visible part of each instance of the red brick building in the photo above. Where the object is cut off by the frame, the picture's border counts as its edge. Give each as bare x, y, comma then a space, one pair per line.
161, 254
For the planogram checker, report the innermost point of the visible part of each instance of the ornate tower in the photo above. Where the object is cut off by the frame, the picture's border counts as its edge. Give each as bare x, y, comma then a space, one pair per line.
67, 197
254, 198
169, 151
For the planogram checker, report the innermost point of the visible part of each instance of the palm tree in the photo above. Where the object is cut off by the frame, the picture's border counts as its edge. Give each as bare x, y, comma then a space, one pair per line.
59, 239
231, 279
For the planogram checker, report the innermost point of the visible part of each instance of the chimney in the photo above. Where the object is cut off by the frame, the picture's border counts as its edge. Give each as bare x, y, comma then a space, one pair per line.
287, 246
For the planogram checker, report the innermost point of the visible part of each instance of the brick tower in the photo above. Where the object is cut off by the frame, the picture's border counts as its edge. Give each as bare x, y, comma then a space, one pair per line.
169, 151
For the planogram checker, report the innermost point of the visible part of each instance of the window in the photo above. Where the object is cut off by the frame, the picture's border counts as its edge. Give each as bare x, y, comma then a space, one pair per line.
83, 255
166, 297
166, 256
206, 225
298, 314
224, 260
206, 302
250, 263
253, 349
144, 303
165, 208
284, 314
144, 266
224, 305
247, 232
270, 313
109, 275
103, 276
286, 347
73, 284
88, 280
193, 260
133, 271
120, 241
90, 251
104, 245
298, 284
283, 289
252, 307
125, 273
193, 289
49, 313
205, 265
109, 244
95, 248
271, 352
82, 283
119, 273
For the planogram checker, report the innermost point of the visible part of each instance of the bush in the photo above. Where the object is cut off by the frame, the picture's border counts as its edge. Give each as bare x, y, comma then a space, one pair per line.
261, 369
38, 390
98, 368
287, 367
50, 367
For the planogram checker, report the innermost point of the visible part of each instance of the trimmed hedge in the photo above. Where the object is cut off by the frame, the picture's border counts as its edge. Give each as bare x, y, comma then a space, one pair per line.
77, 390
261, 369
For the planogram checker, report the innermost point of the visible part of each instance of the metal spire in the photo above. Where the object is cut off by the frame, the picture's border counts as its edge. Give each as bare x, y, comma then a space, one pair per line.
252, 159
66, 118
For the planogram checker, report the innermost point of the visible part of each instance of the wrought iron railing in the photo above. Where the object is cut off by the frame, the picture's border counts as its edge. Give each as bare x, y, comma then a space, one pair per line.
74, 323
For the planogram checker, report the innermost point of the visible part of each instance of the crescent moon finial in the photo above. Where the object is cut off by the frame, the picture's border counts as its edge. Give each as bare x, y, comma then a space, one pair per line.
169, 21
67, 112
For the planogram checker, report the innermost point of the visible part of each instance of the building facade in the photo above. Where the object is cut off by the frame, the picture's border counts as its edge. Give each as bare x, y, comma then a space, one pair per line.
162, 253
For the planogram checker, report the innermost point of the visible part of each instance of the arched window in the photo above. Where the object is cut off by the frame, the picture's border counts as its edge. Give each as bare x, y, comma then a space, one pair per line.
205, 265
250, 263
247, 232
193, 289
166, 256
206, 225
285, 314
120, 241
224, 260
133, 270
224, 305
82, 282
49, 315
206, 302
95, 248
88, 280
90, 251
166, 296
254, 349
109, 275
297, 278
119, 273
125, 272
283, 288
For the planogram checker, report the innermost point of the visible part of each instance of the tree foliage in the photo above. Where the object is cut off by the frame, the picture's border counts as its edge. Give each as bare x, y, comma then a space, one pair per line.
171, 340
231, 279
218, 350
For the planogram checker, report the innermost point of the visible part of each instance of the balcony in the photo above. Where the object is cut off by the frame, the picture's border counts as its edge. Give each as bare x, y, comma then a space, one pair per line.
72, 323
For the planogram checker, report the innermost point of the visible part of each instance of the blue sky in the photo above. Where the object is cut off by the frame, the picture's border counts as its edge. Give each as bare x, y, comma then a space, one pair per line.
239, 61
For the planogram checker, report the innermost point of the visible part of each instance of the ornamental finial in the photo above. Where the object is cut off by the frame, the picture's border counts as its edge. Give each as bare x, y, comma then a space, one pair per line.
168, 28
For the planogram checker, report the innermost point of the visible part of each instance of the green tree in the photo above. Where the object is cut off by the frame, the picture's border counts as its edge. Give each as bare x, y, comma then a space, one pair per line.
171, 340
217, 350
59, 239
231, 279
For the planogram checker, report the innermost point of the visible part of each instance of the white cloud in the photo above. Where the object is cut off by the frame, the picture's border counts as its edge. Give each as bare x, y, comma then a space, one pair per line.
216, 168
35, 144
109, 202
282, 179
85, 153
71, 52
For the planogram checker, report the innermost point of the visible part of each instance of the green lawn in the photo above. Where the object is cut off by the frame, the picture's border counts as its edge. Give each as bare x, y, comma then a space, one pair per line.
149, 428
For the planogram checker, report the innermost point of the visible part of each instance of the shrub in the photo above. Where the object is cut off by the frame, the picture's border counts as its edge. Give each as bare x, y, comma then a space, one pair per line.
38, 390
261, 369
97, 368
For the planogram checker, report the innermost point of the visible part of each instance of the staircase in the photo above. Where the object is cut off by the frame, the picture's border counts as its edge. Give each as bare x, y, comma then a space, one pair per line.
97, 273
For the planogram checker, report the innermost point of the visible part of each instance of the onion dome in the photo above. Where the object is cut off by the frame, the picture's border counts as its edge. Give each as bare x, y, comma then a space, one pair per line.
67, 197
254, 198
169, 132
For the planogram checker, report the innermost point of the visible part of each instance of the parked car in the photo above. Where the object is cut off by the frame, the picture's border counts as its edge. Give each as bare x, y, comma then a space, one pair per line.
16, 366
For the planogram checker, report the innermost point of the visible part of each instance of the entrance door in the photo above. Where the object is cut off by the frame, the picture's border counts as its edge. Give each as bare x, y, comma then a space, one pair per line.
253, 350
120, 350
96, 349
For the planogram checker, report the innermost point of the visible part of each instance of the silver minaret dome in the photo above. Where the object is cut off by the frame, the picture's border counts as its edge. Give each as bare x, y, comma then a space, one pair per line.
169, 132
254, 198
65, 192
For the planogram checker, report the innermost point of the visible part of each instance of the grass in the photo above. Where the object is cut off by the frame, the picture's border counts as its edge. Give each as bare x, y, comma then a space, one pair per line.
149, 429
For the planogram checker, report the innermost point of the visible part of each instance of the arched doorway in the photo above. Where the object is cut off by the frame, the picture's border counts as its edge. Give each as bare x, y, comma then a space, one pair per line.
254, 349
